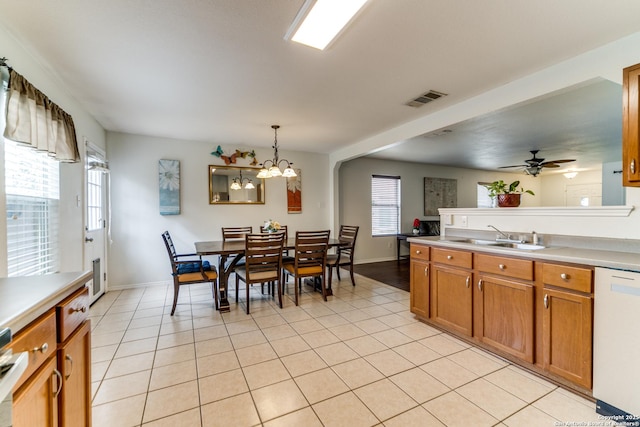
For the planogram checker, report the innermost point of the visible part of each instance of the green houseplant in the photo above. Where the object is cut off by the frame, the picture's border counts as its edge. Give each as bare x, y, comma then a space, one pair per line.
508, 195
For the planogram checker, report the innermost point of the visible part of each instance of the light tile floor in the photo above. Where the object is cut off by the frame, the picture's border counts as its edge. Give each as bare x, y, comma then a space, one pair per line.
360, 359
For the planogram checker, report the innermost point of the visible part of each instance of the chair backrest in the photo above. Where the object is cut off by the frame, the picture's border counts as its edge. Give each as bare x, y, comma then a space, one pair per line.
235, 233
263, 252
311, 248
283, 229
348, 233
169, 244
171, 250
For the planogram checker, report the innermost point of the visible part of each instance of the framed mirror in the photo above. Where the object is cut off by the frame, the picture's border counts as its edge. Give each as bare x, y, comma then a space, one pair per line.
230, 185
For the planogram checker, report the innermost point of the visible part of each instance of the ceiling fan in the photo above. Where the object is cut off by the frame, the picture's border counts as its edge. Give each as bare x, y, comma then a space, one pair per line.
534, 165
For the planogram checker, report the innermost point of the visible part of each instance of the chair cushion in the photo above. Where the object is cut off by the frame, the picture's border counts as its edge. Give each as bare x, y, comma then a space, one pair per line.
304, 271
197, 277
258, 276
192, 267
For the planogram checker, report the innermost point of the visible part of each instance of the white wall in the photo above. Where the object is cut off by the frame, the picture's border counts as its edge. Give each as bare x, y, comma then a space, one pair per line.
355, 197
554, 186
71, 231
137, 255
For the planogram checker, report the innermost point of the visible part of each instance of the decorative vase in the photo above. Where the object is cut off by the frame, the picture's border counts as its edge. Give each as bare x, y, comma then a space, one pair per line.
416, 231
509, 200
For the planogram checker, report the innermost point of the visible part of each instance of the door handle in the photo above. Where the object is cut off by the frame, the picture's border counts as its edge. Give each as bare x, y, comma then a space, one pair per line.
467, 281
546, 301
58, 383
480, 285
426, 271
88, 239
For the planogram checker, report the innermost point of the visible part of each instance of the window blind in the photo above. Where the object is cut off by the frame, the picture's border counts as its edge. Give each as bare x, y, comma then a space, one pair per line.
33, 193
385, 205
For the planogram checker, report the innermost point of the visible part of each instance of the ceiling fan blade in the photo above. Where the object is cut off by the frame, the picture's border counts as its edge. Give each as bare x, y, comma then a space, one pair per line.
559, 161
549, 165
513, 166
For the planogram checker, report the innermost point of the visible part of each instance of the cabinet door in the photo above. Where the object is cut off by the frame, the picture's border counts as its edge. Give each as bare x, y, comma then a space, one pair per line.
630, 126
36, 402
74, 363
507, 316
419, 288
567, 335
451, 298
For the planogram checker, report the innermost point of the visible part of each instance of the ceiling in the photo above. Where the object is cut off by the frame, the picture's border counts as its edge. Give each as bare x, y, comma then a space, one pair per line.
220, 71
582, 123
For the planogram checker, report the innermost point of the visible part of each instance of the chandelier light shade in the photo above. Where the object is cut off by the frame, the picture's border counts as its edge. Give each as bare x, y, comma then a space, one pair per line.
271, 168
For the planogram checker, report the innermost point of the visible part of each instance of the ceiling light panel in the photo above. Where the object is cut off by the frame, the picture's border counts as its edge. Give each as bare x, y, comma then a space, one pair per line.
322, 20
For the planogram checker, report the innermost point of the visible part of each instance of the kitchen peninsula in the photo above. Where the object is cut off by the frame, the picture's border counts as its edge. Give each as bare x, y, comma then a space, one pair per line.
533, 307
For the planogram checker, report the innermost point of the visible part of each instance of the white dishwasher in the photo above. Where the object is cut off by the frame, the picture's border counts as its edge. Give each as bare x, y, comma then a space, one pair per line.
616, 344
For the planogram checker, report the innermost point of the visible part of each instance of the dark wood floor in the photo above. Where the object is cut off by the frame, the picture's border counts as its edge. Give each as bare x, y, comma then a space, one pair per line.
392, 273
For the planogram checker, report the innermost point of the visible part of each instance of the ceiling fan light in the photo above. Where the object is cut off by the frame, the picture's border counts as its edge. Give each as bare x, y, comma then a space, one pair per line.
249, 185
264, 173
235, 185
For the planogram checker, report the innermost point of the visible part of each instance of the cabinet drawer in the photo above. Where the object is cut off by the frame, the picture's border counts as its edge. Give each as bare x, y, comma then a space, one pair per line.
452, 257
575, 278
39, 339
511, 267
419, 252
71, 312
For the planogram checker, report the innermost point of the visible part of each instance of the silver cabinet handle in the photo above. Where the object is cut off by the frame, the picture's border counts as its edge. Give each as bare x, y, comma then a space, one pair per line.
426, 271
502, 266
632, 166
467, 281
418, 252
82, 309
564, 276
480, 285
42, 349
68, 358
546, 301
58, 383
449, 257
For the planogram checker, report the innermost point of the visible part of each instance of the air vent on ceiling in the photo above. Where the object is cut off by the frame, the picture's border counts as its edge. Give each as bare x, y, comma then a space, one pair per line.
425, 98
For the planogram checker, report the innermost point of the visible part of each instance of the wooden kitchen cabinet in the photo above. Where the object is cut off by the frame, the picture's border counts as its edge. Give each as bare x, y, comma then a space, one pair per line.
74, 365
504, 305
631, 126
55, 390
451, 298
36, 401
419, 280
567, 324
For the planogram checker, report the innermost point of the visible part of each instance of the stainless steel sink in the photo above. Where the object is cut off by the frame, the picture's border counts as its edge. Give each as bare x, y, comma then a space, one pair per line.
522, 246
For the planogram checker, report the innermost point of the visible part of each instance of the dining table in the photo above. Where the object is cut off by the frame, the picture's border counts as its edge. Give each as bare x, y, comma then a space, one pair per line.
233, 251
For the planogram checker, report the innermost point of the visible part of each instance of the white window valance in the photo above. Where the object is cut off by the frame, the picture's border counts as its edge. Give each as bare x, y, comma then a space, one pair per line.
32, 119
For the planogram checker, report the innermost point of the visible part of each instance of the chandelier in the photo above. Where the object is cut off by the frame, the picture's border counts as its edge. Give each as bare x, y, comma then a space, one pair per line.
237, 183
271, 168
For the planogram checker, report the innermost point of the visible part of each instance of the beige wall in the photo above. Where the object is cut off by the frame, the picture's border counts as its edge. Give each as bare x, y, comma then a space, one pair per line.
355, 197
137, 255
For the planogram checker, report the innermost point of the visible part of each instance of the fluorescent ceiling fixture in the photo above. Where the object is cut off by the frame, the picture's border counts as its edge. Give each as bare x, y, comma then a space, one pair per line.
322, 21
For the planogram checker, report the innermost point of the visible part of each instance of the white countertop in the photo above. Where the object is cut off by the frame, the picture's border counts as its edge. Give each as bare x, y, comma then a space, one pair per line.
593, 257
24, 299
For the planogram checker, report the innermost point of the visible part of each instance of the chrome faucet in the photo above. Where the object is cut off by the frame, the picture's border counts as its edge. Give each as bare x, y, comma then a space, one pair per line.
507, 237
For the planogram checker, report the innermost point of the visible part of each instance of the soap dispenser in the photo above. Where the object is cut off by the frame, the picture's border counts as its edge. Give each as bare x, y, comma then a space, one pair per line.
534, 238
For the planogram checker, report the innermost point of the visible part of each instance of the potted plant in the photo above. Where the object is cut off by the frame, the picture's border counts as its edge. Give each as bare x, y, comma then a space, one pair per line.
508, 195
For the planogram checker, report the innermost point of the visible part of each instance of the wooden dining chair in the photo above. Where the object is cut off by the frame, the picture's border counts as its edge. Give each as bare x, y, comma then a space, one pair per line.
345, 252
189, 271
235, 234
309, 260
263, 263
